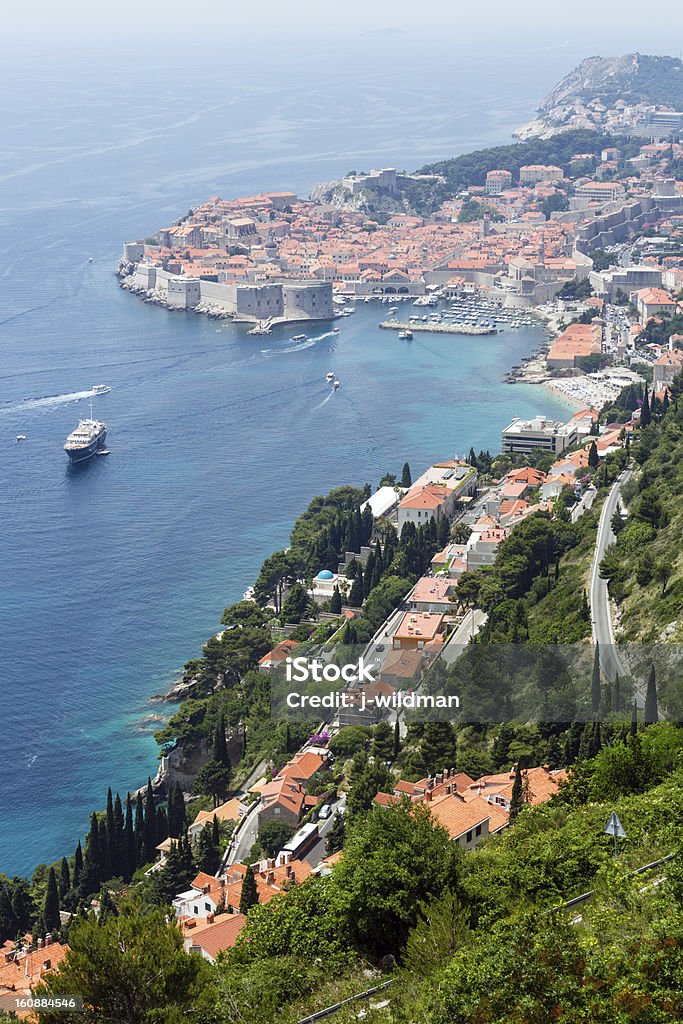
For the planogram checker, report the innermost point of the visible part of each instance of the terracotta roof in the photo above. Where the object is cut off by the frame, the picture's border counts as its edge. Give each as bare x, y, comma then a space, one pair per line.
219, 935
458, 816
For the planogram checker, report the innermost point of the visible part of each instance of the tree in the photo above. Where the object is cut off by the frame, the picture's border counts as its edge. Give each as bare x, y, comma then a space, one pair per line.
336, 601
437, 747
51, 919
383, 741
150, 836
593, 457
397, 739
406, 478
335, 837
220, 744
517, 796
596, 693
273, 835
129, 844
651, 713
132, 969
357, 595
64, 878
78, 864
249, 895
91, 875
379, 895
212, 780
367, 777
208, 852
645, 414
663, 572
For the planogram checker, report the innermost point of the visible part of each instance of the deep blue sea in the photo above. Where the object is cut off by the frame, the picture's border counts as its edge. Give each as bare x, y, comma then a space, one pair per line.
113, 575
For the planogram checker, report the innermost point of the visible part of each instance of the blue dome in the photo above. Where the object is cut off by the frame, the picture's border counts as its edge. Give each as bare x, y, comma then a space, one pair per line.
325, 574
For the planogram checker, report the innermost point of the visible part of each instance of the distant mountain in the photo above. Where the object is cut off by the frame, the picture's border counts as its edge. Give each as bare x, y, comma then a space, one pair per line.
602, 82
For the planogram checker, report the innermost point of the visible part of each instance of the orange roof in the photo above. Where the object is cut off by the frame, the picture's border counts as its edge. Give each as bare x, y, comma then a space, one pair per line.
430, 496
22, 973
459, 816
219, 935
280, 652
541, 783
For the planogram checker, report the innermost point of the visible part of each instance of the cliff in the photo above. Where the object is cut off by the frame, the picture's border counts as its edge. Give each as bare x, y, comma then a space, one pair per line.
602, 82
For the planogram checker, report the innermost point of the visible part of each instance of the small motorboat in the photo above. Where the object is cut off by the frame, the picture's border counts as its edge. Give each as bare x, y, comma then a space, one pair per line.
101, 389
300, 337
21, 437
336, 385
336, 330
406, 335
102, 451
330, 376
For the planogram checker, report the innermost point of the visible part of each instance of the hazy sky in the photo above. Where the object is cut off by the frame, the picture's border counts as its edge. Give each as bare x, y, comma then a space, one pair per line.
600, 25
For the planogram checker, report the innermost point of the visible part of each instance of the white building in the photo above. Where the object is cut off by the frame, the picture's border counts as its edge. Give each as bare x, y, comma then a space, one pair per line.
538, 434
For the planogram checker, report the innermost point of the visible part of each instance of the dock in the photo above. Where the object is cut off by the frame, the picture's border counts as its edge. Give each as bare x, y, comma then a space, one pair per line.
399, 325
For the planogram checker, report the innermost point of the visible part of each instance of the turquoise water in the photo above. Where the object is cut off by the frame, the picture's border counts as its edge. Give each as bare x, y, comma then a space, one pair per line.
114, 574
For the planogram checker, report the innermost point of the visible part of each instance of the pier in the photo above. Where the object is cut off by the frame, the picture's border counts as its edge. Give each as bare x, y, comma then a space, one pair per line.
399, 325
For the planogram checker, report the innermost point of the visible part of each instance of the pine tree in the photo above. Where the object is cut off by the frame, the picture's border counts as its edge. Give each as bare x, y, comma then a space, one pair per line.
406, 477
596, 693
249, 895
517, 796
64, 878
336, 601
51, 919
651, 713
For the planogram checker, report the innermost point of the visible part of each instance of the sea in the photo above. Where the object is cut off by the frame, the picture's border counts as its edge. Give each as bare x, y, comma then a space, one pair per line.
115, 572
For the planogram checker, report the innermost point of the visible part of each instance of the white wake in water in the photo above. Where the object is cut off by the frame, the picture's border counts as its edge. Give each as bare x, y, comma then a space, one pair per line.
46, 401
324, 402
300, 347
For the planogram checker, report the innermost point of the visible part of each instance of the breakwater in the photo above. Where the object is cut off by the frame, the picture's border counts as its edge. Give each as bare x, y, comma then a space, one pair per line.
400, 325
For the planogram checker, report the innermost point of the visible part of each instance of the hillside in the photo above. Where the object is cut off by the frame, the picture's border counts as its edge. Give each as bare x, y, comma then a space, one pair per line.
633, 78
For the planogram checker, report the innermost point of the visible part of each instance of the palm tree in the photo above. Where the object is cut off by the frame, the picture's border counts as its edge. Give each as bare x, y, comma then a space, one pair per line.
460, 533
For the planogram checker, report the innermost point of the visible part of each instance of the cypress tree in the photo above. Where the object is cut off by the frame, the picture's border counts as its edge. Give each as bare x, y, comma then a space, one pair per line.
376, 573
249, 895
593, 457
634, 719
139, 831
179, 812
367, 574
406, 477
64, 878
111, 831
585, 608
336, 602
367, 524
356, 596
78, 864
220, 745
645, 414
517, 797
129, 844
616, 694
149, 834
91, 875
116, 841
215, 832
595, 682
51, 919
651, 713
162, 824
397, 738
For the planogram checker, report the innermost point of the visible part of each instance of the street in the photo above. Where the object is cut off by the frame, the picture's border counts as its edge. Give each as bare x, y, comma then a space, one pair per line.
601, 613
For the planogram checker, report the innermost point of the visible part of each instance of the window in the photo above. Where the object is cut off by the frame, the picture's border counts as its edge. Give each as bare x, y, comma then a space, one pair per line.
195, 911
469, 837
477, 830
207, 906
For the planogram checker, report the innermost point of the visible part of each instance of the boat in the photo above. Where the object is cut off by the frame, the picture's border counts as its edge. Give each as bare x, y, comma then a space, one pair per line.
406, 335
330, 376
21, 437
87, 439
336, 330
102, 451
336, 385
393, 309
101, 389
300, 337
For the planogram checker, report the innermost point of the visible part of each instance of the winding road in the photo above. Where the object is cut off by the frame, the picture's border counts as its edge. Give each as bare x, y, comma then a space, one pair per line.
601, 613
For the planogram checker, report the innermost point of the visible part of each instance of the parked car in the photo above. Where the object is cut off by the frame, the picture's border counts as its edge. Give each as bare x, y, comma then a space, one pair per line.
324, 812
